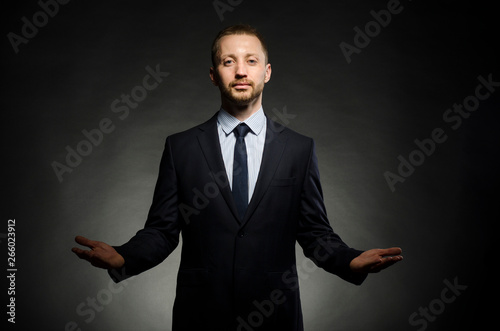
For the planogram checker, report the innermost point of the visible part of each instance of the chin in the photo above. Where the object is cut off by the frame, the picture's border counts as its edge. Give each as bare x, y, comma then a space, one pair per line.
242, 98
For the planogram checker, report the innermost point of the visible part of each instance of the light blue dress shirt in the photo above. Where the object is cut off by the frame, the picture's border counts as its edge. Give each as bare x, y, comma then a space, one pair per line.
254, 141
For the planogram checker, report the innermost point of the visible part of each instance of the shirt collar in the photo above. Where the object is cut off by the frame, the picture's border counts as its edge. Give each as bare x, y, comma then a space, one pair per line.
255, 122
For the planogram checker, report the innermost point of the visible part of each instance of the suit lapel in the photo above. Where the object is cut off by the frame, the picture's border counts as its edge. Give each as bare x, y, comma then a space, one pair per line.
273, 150
210, 146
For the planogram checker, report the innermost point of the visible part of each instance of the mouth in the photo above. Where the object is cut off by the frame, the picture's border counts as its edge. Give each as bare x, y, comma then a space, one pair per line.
242, 85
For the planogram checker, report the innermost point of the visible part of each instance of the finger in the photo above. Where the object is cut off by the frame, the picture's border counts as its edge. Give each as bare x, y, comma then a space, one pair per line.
85, 242
386, 262
82, 254
390, 251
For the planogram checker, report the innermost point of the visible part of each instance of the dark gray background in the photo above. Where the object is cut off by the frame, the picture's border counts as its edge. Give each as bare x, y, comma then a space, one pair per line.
362, 116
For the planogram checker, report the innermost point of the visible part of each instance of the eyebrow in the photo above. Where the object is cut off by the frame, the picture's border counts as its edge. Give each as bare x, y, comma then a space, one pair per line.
234, 56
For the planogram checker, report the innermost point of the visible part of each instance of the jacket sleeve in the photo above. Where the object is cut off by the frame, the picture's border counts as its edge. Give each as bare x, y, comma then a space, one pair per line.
315, 235
160, 236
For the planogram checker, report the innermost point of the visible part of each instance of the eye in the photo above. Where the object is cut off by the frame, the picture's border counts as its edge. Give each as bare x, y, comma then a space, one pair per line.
252, 61
227, 62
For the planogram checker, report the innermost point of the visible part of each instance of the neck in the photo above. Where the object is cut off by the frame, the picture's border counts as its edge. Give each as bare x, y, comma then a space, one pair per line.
242, 112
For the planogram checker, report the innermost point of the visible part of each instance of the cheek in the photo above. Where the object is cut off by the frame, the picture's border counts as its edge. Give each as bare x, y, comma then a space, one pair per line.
261, 77
225, 76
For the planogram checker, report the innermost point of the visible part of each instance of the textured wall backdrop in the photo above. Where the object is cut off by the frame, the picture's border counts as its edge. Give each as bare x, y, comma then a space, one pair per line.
402, 98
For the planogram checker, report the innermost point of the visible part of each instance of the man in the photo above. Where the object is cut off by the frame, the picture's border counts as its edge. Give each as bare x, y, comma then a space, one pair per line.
241, 195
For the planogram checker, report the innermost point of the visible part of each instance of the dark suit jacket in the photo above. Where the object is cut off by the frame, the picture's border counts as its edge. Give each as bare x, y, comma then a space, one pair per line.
237, 274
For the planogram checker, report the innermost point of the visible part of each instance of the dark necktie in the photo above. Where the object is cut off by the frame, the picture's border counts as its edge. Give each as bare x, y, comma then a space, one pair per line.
240, 170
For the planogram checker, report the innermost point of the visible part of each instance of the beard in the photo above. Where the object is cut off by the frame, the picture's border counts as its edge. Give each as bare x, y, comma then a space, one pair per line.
241, 97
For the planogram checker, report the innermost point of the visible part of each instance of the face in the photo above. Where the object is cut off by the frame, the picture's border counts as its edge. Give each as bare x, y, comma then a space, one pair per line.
241, 71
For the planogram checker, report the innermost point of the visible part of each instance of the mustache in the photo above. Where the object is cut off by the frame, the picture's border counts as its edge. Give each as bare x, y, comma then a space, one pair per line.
236, 82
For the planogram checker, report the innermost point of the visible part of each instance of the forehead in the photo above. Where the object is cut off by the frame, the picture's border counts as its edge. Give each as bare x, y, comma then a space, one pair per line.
240, 44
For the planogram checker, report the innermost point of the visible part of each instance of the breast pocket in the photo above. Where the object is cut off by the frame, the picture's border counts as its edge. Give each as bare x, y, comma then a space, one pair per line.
283, 181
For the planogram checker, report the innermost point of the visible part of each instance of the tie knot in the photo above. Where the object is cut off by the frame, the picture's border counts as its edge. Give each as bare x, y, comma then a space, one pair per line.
241, 130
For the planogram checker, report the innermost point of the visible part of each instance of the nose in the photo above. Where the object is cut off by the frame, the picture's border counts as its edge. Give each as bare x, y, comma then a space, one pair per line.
241, 71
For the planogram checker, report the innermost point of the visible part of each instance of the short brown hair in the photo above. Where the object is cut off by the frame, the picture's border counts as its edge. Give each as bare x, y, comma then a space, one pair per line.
238, 29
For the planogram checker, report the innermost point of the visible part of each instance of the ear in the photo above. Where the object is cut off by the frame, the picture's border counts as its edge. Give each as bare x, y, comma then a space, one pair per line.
268, 73
213, 76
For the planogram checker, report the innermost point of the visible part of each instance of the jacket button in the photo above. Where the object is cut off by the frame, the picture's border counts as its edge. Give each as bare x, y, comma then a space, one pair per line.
241, 234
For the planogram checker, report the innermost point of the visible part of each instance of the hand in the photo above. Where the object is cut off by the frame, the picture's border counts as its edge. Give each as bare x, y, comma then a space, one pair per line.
375, 260
101, 254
